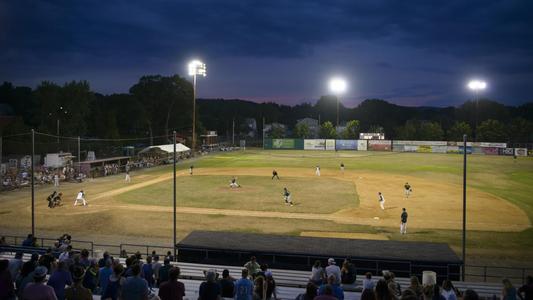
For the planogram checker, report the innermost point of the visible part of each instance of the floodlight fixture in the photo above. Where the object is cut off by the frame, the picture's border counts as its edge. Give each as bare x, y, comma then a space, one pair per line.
197, 67
477, 85
337, 85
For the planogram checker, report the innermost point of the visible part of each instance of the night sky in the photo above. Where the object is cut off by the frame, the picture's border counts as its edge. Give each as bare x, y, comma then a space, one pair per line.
415, 52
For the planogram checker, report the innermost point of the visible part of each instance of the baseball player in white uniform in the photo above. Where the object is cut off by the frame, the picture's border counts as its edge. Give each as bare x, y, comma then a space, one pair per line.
287, 196
408, 189
81, 198
128, 178
233, 183
381, 201
317, 171
56, 180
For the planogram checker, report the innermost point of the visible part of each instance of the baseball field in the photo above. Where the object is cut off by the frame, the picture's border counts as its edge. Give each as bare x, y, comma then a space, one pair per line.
335, 204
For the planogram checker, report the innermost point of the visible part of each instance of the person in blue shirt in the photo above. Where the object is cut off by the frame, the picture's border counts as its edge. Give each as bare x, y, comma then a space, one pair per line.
59, 279
336, 289
244, 287
135, 287
104, 274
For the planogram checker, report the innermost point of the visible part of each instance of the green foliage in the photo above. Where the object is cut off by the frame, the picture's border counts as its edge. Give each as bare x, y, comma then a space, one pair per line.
327, 130
376, 129
352, 130
491, 131
302, 131
520, 130
420, 130
456, 132
277, 132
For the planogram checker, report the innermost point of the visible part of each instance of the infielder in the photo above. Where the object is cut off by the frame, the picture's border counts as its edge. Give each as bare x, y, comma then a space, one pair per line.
287, 196
128, 178
408, 189
81, 198
342, 167
381, 201
191, 169
56, 180
403, 224
317, 171
275, 174
233, 183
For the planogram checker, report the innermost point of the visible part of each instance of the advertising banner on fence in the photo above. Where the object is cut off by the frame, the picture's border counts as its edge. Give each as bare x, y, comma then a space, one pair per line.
493, 145
424, 149
316, 144
283, 144
520, 151
379, 145
439, 149
420, 143
361, 145
506, 151
490, 150
330, 145
409, 148
346, 144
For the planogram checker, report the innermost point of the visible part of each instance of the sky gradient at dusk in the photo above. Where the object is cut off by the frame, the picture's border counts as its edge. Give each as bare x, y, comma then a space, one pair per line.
408, 52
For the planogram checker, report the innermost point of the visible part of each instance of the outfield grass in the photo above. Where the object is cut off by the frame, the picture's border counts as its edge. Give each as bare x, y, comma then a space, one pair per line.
315, 195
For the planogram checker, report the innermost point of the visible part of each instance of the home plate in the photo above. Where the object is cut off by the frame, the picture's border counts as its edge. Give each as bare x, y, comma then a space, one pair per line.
376, 218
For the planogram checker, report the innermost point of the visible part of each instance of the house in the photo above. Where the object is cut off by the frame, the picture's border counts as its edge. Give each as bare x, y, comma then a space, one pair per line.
250, 127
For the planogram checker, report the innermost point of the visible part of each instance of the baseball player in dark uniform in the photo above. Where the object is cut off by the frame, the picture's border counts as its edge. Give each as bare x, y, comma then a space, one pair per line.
275, 174
408, 189
342, 167
191, 168
403, 224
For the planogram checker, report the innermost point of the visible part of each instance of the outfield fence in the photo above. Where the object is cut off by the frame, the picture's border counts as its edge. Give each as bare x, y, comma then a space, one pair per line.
449, 147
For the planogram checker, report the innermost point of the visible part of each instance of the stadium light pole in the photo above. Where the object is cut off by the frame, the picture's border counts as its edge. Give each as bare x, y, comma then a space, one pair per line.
32, 183
174, 195
337, 86
476, 86
196, 67
464, 208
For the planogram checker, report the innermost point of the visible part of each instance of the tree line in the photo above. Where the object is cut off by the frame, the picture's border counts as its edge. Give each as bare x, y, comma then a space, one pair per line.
157, 105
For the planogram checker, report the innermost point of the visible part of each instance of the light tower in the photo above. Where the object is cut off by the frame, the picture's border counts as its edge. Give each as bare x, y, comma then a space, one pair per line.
337, 86
476, 86
196, 67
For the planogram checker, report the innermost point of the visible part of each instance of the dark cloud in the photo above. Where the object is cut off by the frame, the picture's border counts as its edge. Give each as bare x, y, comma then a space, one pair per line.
68, 39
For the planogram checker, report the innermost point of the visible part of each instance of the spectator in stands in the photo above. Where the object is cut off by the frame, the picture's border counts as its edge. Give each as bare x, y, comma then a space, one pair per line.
130, 261
90, 280
226, 285
112, 289
37, 289
252, 266
3, 241
170, 256
383, 292
84, 258
59, 279
437, 295
368, 294
25, 277
508, 290
327, 295
415, 287
47, 260
525, 292
409, 294
310, 292
244, 287
393, 285
30, 241
317, 273
270, 286
172, 289
163, 271
77, 291
209, 289
102, 261
135, 287
368, 283
15, 265
263, 269
348, 272
156, 265
123, 254
335, 288
148, 272
66, 253
333, 269
470, 295
449, 292
153, 254
104, 274
259, 288
7, 290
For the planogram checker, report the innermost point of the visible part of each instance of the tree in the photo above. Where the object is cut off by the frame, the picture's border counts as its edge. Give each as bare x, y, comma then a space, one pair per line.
420, 130
456, 132
327, 131
376, 129
302, 131
352, 130
277, 132
491, 131
520, 130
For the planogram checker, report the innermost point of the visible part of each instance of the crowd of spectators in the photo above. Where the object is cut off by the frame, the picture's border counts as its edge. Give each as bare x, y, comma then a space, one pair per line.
75, 275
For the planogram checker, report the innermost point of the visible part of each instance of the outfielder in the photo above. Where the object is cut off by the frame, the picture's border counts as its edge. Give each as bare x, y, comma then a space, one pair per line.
191, 169
381, 201
233, 183
342, 167
81, 198
403, 224
408, 189
317, 171
287, 196
128, 178
275, 174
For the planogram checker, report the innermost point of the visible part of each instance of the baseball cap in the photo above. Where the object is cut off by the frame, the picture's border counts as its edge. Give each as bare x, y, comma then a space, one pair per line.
331, 261
40, 272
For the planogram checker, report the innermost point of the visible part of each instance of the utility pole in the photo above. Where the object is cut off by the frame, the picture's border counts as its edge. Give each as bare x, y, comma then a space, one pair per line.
464, 208
263, 132
79, 156
233, 133
174, 196
32, 183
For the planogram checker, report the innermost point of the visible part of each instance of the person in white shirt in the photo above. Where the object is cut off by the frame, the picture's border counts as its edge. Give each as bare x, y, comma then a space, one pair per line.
81, 198
381, 200
333, 269
56, 180
317, 171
